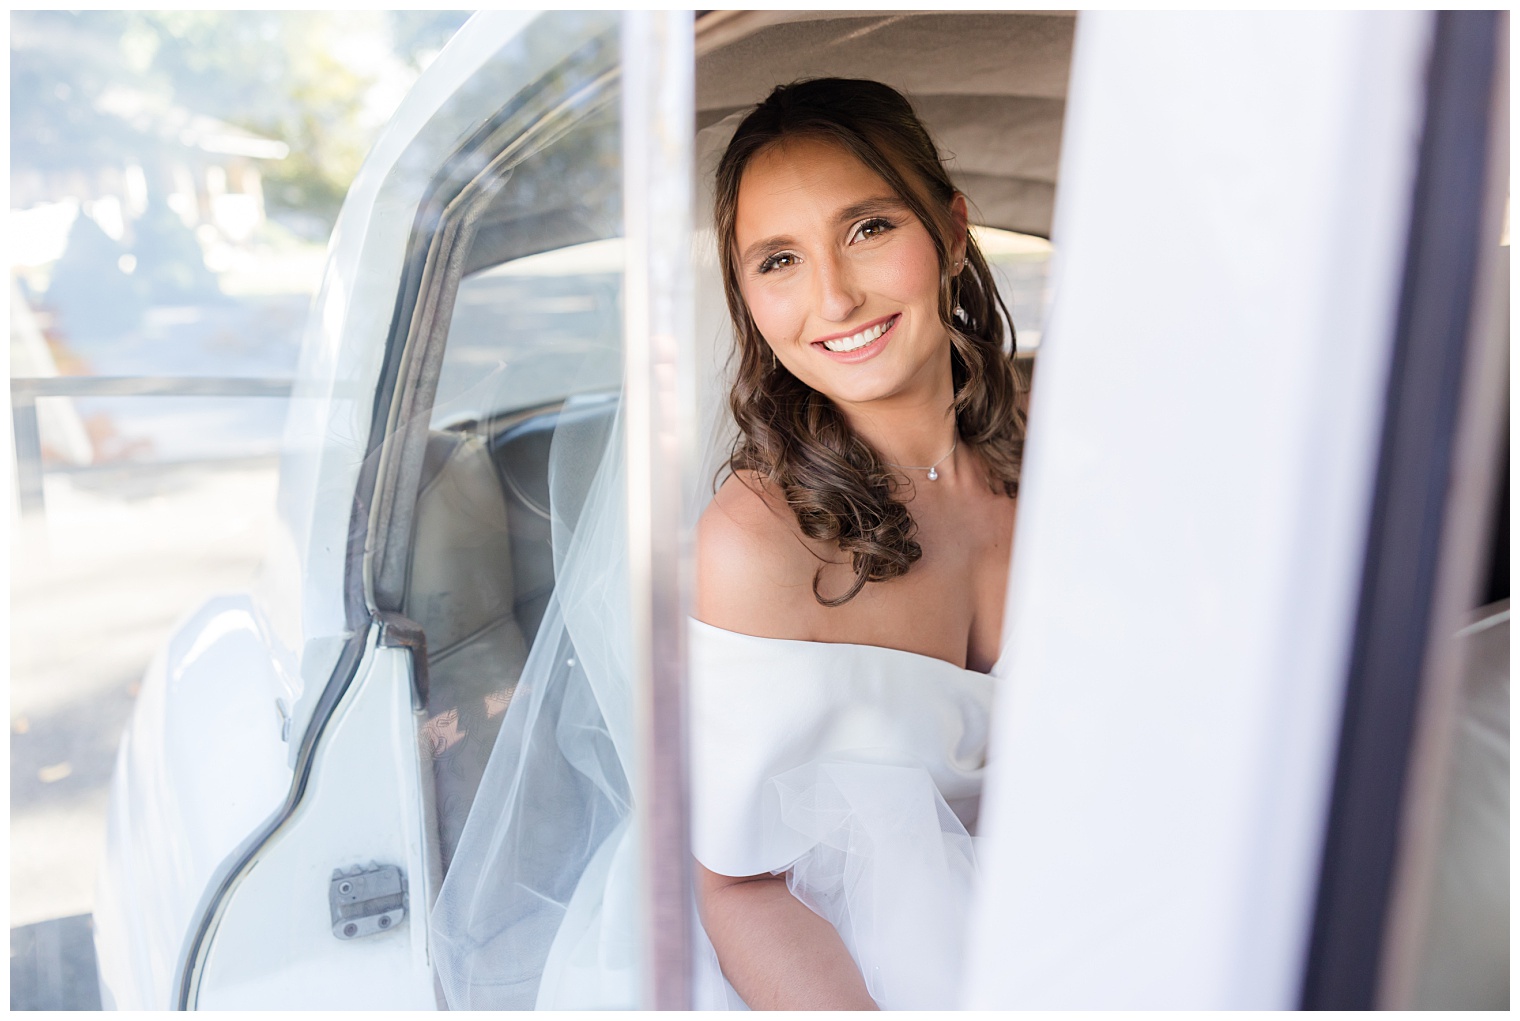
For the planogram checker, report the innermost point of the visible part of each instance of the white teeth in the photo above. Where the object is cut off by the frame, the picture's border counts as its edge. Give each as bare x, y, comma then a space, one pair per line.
859, 340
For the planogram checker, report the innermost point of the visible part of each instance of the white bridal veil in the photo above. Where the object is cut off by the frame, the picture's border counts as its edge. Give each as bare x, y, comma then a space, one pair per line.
538, 906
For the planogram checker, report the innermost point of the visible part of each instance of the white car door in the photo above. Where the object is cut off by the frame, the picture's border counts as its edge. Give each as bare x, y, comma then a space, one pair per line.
326, 905
1252, 522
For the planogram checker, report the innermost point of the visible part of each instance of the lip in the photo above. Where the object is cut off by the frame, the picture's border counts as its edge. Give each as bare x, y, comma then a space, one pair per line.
860, 354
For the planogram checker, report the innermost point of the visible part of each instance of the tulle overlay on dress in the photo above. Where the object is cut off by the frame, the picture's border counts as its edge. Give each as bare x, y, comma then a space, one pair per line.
838, 765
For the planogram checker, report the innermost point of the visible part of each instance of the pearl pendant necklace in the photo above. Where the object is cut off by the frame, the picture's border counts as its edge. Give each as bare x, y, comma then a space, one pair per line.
932, 469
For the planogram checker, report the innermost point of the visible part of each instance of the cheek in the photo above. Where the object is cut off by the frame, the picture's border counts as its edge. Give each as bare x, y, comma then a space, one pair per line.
911, 274
779, 315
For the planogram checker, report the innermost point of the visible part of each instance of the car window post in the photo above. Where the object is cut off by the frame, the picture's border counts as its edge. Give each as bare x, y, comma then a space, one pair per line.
658, 115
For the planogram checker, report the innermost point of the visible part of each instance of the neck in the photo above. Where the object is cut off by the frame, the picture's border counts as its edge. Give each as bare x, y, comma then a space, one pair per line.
914, 427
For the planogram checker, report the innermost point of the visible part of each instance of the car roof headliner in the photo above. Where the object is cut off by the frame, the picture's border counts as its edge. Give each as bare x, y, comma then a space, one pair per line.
990, 86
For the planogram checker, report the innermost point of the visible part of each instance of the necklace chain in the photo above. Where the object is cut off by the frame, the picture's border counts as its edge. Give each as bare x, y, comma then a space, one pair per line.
930, 468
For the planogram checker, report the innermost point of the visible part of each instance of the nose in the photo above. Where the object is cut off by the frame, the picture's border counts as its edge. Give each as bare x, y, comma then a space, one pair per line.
838, 297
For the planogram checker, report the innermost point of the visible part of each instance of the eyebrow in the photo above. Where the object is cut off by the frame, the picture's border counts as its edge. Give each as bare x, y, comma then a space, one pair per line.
864, 207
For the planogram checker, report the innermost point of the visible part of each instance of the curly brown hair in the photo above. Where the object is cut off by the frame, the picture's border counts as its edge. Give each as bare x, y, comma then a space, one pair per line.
795, 437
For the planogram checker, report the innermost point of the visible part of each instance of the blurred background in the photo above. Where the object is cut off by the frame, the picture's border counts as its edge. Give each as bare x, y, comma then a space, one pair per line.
174, 178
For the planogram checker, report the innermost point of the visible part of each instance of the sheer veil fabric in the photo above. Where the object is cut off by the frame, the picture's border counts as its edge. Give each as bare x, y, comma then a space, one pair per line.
853, 770
538, 906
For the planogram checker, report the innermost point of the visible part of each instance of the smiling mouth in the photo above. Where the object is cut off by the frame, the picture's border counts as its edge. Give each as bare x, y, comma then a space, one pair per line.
856, 341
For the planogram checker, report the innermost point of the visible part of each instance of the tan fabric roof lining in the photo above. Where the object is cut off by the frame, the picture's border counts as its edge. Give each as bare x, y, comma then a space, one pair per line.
990, 86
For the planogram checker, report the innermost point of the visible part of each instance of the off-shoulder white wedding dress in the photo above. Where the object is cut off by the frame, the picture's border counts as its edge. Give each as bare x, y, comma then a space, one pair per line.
856, 771
853, 769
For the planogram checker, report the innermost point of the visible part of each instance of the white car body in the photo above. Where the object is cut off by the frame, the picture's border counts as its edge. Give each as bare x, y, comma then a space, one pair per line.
209, 755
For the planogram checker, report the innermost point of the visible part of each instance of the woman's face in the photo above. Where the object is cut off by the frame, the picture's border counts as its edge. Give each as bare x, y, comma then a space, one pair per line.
840, 277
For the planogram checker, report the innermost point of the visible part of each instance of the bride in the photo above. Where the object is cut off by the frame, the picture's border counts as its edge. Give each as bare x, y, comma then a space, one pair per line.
851, 572
852, 567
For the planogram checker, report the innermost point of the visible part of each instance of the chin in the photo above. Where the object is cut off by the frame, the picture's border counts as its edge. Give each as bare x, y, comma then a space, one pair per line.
876, 382
862, 391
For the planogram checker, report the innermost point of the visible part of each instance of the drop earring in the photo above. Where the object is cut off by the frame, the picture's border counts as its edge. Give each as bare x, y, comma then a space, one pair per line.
958, 312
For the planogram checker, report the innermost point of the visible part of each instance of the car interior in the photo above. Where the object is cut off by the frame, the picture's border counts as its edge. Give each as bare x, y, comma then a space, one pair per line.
991, 88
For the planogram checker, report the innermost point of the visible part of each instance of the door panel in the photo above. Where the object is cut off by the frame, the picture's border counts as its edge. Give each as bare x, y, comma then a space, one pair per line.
274, 947
1201, 455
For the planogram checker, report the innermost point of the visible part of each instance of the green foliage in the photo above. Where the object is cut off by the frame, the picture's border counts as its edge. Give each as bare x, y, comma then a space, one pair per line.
60, 62
416, 36
308, 78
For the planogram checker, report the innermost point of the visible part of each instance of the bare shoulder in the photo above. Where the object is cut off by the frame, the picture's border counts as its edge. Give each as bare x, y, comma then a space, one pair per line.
753, 565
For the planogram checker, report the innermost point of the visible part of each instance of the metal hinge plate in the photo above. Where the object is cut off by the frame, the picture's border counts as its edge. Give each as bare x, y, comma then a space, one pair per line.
365, 901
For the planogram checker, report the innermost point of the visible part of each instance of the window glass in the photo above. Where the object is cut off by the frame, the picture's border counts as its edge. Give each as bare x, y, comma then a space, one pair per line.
1021, 265
533, 331
518, 576
537, 317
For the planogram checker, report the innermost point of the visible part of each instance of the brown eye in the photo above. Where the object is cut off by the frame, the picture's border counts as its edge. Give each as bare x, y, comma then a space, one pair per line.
872, 228
780, 260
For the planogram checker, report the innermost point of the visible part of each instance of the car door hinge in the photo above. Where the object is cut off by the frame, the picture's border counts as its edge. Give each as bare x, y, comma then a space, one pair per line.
365, 901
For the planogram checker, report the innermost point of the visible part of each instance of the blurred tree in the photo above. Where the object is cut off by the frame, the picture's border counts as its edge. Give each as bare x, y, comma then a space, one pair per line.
170, 267
417, 36
274, 73
61, 62
303, 77
91, 293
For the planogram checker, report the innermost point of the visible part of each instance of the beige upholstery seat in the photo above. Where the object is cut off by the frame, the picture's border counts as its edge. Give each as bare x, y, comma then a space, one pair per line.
481, 574
460, 589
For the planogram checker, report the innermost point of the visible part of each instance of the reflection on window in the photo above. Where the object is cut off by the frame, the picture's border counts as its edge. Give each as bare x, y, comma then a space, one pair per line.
532, 331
